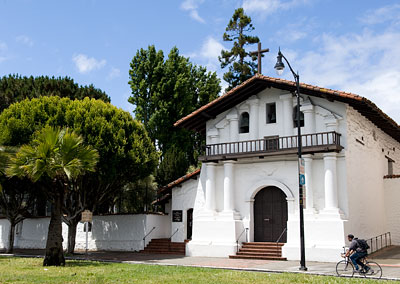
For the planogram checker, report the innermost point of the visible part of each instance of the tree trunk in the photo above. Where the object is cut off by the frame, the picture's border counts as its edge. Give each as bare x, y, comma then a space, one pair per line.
54, 249
11, 234
72, 234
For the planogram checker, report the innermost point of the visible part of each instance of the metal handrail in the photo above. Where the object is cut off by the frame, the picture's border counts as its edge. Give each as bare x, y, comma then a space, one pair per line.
237, 241
144, 238
277, 241
173, 233
379, 244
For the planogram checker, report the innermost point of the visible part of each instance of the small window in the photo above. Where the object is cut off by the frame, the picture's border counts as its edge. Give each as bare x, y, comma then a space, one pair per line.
244, 123
271, 113
295, 117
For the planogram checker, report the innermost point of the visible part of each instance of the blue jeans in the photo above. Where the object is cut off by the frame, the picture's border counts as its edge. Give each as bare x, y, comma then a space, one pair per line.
355, 259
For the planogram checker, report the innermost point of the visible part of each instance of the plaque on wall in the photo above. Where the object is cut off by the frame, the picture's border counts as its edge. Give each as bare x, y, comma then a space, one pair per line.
176, 215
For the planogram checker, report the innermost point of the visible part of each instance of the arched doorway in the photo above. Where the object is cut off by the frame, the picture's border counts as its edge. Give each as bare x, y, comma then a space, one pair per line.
270, 215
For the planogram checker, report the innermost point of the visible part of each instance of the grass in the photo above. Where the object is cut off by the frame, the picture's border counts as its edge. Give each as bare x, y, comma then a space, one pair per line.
30, 270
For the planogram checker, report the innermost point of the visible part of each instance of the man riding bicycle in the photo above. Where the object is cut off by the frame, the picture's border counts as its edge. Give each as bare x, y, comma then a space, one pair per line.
356, 252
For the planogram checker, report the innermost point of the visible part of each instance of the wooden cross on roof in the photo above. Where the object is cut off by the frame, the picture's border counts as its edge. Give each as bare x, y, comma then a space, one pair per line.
259, 53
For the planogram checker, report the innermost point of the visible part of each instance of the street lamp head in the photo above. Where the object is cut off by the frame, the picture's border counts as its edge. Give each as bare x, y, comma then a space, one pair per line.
279, 66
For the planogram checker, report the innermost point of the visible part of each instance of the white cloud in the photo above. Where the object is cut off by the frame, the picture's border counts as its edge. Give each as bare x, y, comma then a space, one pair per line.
192, 7
266, 7
3, 46
383, 14
86, 64
24, 40
366, 64
208, 54
114, 73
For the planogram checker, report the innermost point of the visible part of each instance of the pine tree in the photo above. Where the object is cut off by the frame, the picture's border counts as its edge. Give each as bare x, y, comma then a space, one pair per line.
240, 62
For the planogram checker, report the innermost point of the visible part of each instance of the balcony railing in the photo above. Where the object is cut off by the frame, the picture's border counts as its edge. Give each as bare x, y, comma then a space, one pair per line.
311, 143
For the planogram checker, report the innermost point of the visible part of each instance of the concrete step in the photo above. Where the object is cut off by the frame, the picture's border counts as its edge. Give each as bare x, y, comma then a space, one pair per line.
257, 257
258, 253
277, 250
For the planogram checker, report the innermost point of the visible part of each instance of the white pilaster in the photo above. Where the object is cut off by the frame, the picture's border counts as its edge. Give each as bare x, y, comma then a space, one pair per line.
228, 186
210, 188
233, 127
254, 107
309, 118
308, 160
331, 192
287, 115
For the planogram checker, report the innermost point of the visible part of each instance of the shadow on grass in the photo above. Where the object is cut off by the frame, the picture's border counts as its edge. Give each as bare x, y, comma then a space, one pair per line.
87, 263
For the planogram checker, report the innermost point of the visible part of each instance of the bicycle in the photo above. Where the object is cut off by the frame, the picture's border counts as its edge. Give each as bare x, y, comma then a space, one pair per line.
345, 268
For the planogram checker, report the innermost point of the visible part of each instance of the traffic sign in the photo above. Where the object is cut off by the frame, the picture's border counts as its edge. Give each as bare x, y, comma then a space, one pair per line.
302, 179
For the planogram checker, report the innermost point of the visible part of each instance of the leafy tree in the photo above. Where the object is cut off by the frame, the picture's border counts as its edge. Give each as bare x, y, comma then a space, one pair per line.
173, 166
126, 152
241, 63
163, 91
15, 88
55, 157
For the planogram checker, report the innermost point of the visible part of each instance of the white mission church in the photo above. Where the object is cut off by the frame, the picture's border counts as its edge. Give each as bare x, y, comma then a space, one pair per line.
246, 191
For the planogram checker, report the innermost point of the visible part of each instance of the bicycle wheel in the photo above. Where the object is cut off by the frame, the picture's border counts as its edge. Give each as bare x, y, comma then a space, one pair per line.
344, 268
375, 270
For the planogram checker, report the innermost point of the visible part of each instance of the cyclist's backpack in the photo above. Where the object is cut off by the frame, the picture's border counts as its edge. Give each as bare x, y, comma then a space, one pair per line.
363, 244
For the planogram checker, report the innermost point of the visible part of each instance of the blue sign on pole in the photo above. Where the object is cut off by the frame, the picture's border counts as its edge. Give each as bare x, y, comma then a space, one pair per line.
302, 179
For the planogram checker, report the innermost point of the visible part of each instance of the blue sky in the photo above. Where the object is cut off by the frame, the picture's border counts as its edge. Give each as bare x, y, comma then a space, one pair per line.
352, 46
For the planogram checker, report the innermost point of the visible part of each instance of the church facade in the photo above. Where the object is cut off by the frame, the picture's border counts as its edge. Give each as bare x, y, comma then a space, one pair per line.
247, 188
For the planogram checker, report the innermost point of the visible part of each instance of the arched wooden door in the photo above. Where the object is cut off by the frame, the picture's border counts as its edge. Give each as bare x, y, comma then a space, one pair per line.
270, 215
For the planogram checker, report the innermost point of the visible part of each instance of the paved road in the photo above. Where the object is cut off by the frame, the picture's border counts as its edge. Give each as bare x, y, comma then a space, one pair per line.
390, 266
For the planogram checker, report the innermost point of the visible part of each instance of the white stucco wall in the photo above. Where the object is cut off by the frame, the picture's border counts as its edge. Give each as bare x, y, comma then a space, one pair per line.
183, 199
112, 232
366, 166
392, 199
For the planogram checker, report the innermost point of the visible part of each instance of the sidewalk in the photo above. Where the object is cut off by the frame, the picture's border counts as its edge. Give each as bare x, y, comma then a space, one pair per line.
390, 267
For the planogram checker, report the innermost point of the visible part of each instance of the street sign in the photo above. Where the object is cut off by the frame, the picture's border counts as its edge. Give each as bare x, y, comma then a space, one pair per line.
302, 179
87, 216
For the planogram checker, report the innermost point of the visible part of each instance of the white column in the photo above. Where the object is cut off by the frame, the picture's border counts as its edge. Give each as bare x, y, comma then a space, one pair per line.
253, 118
287, 115
229, 186
210, 187
309, 118
331, 124
308, 160
331, 195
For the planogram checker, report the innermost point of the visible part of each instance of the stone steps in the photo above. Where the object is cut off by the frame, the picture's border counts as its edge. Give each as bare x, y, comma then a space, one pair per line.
164, 246
260, 250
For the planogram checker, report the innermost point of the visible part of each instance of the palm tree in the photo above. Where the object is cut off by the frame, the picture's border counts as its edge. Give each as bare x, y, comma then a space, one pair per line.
56, 158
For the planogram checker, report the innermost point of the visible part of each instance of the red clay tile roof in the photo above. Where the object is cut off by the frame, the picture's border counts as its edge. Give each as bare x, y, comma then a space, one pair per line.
197, 119
165, 192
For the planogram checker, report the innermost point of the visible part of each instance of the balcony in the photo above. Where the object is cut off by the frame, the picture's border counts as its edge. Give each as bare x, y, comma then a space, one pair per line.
311, 143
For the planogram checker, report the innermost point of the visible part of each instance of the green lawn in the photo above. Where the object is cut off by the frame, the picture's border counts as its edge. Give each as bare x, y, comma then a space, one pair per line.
30, 270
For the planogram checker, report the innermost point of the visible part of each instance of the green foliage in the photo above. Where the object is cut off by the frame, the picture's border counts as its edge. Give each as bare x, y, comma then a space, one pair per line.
164, 91
126, 152
137, 196
14, 88
54, 153
173, 165
241, 63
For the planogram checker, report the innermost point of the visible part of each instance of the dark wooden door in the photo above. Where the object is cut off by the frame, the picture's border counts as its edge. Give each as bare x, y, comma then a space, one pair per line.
189, 223
270, 215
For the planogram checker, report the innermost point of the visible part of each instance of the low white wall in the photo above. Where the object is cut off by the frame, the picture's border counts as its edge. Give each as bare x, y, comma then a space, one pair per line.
112, 232
392, 198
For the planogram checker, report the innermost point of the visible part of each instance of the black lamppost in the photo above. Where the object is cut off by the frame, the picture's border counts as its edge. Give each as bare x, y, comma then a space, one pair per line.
279, 66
